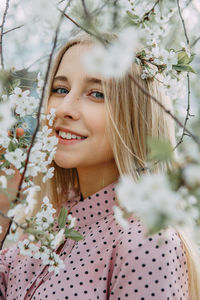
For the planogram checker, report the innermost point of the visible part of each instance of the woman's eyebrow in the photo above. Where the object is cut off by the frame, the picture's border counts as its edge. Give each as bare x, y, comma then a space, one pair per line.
93, 80
87, 79
61, 78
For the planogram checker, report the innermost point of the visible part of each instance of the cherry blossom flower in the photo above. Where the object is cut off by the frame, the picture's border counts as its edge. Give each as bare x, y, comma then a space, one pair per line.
16, 157
3, 182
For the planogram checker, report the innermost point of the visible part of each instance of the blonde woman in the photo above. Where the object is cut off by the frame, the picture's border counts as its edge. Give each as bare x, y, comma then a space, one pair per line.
102, 127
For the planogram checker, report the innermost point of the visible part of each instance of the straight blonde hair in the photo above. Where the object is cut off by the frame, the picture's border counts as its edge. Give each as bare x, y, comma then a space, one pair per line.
132, 117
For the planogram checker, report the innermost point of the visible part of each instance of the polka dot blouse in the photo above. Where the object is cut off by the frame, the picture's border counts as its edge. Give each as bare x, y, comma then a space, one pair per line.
109, 263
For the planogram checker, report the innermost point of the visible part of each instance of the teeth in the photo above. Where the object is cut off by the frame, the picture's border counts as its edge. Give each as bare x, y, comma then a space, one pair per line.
69, 136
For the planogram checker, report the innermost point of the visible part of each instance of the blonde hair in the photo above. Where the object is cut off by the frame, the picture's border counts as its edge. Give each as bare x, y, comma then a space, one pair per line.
132, 117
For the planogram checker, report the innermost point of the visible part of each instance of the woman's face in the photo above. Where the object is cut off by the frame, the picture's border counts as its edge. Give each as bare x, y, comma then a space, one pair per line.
80, 121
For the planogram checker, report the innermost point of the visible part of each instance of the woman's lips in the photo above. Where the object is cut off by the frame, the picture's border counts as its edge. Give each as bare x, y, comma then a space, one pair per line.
68, 142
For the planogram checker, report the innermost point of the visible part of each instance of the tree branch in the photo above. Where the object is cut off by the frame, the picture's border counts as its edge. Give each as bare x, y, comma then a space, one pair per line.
188, 79
183, 22
98, 37
17, 198
1, 32
12, 29
195, 138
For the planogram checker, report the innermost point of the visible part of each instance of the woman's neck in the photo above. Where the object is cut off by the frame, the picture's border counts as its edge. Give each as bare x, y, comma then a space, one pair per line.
95, 178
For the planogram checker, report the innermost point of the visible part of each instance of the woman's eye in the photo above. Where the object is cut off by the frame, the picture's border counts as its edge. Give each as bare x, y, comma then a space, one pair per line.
97, 95
60, 91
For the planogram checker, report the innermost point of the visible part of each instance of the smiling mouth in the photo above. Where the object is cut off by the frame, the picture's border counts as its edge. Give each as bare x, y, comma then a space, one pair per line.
69, 136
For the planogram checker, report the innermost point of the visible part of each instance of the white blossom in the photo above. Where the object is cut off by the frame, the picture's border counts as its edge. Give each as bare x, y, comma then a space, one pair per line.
118, 213
57, 265
49, 143
60, 236
173, 88
191, 175
3, 182
13, 234
17, 212
40, 83
19, 95
30, 199
43, 253
4, 139
186, 48
45, 132
151, 199
51, 116
25, 248
49, 174
8, 171
7, 119
16, 157
110, 62
72, 221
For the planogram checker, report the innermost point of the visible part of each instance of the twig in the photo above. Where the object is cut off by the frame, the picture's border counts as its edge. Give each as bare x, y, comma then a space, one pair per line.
188, 80
195, 41
99, 9
12, 29
115, 14
8, 229
187, 110
195, 138
1, 32
183, 22
37, 60
38, 117
146, 15
85, 9
98, 37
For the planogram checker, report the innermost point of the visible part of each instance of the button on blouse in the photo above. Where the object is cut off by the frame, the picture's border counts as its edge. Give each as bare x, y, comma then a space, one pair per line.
109, 263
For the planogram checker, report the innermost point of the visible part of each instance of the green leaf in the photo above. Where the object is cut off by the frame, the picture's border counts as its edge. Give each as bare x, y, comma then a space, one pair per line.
73, 234
184, 59
2, 157
5, 164
159, 149
184, 68
132, 16
12, 146
62, 217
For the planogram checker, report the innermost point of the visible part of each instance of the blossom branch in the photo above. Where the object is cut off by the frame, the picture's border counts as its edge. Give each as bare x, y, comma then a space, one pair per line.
1, 32
85, 9
195, 42
188, 79
98, 37
146, 15
183, 22
12, 29
17, 198
187, 110
9, 226
195, 138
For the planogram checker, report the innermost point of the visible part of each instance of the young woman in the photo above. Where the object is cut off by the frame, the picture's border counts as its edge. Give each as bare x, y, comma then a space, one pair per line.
102, 126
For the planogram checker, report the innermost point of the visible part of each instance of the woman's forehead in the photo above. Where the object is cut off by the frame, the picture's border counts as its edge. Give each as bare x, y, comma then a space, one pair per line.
73, 60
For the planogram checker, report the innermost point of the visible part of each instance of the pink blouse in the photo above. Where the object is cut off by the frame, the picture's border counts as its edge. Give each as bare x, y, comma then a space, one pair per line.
110, 263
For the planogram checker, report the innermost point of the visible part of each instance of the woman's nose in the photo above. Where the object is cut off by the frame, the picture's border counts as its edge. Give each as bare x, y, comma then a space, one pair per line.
69, 107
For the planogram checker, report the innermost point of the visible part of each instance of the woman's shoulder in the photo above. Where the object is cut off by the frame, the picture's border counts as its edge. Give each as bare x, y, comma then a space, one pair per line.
165, 245
149, 266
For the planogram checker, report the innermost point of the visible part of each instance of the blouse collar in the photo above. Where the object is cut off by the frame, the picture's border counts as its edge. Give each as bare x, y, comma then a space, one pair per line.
94, 207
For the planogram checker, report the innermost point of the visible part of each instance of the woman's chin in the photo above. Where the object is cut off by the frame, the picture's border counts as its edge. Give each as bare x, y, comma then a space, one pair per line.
64, 162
